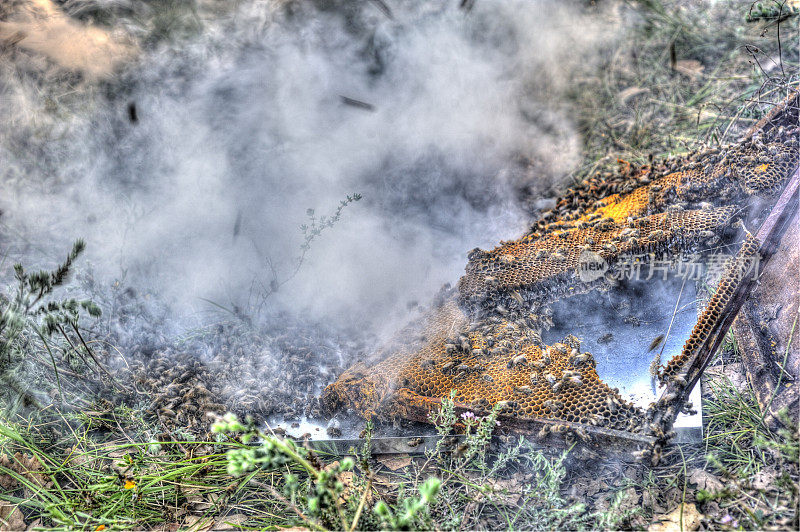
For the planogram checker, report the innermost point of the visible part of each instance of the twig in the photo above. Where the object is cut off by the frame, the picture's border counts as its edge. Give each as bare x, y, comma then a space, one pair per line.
288, 504
361, 504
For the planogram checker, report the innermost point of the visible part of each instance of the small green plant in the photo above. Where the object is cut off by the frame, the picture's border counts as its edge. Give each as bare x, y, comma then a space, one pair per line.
30, 309
414, 509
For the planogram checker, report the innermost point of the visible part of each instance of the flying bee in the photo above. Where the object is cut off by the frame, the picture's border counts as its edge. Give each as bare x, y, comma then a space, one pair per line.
656, 342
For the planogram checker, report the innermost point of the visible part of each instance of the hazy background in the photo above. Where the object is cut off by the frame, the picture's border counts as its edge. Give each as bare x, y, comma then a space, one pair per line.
240, 127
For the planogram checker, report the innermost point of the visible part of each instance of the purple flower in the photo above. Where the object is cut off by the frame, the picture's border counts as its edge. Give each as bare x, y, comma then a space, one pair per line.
726, 519
496, 423
468, 415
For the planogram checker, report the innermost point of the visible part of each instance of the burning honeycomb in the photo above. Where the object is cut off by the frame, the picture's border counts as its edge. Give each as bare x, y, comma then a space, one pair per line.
482, 340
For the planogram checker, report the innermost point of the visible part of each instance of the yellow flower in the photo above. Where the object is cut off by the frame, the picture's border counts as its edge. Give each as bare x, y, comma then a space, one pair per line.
129, 484
100, 527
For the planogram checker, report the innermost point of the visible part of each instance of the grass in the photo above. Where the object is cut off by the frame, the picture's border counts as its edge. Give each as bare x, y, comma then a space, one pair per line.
87, 478
686, 75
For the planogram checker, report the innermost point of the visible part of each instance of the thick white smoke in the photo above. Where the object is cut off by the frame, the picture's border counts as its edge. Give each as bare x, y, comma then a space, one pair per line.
241, 129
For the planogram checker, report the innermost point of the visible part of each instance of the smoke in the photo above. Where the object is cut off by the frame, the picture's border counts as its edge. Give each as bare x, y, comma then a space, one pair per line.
190, 172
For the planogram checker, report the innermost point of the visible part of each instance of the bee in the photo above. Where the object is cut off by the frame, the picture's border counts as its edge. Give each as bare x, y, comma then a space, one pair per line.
544, 431
568, 374
480, 403
507, 259
639, 455
559, 348
583, 435
611, 248
575, 381
450, 348
655, 234
559, 429
657, 431
612, 406
517, 297
427, 363
534, 379
606, 338
589, 240
656, 342
505, 405
447, 366
463, 368
524, 389
595, 419
655, 457
519, 360
707, 234
541, 254
414, 442
486, 377
558, 257
550, 378
669, 397
580, 359
557, 386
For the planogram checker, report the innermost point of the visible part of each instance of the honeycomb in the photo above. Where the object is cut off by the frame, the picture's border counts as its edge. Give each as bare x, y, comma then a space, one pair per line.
735, 269
482, 340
